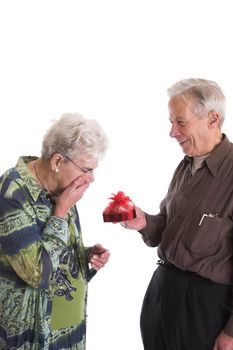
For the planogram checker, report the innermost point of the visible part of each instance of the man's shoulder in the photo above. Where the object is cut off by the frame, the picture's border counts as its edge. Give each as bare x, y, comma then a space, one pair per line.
230, 153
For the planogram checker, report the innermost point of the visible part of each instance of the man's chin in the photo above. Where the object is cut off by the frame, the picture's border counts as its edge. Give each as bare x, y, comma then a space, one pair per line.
186, 151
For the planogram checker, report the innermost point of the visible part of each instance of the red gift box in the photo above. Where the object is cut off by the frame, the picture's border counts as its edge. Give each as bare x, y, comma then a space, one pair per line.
120, 209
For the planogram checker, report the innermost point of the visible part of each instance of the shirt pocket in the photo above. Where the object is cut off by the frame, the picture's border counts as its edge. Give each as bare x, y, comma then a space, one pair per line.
201, 237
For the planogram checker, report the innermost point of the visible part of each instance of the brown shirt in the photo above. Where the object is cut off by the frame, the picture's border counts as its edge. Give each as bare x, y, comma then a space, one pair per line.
194, 229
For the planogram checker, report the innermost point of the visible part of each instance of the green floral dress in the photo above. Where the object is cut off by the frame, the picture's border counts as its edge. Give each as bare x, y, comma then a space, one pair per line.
43, 268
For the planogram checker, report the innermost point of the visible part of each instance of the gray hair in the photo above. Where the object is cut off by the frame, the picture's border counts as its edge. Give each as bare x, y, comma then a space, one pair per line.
75, 136
207, 95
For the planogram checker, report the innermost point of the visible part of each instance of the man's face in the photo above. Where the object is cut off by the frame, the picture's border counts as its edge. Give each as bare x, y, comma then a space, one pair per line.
189, 129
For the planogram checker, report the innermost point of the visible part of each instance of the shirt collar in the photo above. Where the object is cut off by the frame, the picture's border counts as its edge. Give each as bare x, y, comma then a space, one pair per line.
30, 182
217, 157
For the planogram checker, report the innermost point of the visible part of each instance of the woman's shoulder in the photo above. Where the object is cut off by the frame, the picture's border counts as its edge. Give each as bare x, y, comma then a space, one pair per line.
15, 178
12, 186
8, 177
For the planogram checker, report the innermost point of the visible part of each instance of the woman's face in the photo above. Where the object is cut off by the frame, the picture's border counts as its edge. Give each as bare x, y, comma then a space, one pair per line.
71, 169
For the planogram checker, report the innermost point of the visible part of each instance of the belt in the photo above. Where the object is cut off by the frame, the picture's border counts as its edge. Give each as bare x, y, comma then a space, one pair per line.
167, 264
171, 267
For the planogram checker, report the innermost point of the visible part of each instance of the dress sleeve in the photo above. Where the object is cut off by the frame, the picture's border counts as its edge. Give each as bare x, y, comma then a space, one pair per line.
90, 272
30, 250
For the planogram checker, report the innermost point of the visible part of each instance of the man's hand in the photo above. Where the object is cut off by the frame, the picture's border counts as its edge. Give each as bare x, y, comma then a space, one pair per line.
137, 223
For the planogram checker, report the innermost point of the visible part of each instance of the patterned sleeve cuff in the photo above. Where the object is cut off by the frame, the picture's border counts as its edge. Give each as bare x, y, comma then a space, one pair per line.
58, 228
90, 271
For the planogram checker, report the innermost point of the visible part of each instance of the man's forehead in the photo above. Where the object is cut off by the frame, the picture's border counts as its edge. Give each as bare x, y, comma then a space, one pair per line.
178, 106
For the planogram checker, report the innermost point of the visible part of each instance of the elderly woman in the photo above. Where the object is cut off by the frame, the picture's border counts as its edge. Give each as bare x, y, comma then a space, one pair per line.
44, 266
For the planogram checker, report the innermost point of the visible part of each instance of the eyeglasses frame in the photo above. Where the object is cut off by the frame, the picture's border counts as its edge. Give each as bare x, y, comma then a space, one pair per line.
88, 171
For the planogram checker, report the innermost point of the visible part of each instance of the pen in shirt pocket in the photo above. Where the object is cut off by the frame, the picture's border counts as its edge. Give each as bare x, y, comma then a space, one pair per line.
210, 215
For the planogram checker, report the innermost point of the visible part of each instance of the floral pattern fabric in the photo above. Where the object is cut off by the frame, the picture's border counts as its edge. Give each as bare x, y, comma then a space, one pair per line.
43, 266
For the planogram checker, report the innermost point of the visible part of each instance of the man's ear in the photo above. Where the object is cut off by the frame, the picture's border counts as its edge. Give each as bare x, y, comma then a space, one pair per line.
55, 161
213, 119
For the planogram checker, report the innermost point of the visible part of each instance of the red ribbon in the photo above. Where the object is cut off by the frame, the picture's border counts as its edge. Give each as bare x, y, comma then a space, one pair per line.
120, 209
120, 199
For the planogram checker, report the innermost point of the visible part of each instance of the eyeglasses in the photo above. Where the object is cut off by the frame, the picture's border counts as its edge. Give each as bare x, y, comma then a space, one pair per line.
85, 171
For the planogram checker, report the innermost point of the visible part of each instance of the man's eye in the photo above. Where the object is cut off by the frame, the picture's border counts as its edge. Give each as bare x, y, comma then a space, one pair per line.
181, 122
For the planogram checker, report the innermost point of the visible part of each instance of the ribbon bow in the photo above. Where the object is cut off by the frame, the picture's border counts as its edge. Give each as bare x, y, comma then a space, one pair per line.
121, 208
120, 198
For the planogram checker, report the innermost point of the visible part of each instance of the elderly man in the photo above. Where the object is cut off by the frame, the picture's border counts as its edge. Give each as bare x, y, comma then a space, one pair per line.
188, 304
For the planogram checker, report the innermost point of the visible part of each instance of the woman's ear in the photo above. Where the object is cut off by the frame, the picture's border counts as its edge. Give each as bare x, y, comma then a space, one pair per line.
56, 161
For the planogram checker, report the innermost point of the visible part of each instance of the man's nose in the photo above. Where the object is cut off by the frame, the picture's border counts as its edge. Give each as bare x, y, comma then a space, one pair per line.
174, 130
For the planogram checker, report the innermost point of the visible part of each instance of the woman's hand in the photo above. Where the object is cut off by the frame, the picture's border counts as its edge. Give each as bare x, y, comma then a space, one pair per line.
98, 256
223, 342
69, 196
137, 223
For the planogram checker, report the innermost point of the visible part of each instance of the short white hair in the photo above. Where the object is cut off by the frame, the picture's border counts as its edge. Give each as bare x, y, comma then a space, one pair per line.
207, 94
75, 136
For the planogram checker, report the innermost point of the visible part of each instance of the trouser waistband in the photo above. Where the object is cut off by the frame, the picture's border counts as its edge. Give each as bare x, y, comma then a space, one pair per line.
167, 264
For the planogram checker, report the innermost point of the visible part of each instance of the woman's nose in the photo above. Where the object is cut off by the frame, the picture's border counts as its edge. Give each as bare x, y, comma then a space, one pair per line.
89, 177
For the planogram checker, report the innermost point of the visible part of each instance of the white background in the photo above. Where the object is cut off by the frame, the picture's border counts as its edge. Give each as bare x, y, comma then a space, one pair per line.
111, 61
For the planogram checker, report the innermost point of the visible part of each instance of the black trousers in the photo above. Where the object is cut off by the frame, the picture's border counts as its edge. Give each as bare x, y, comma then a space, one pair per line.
183, 311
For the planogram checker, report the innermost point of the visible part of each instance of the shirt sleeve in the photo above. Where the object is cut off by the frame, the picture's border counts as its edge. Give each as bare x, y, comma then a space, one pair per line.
152, 233
30, 250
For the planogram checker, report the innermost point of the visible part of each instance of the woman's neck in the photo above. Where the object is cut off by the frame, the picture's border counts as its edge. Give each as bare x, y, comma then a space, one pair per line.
40, 170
